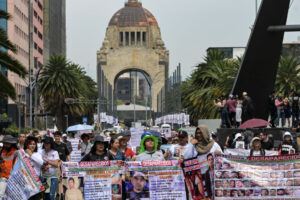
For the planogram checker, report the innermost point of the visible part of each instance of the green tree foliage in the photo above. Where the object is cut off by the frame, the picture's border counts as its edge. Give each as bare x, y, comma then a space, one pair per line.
8, 62
211, 79
288, 76
61, 79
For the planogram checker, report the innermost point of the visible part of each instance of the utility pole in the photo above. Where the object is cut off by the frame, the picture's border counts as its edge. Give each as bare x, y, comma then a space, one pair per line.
19, 108
30, 54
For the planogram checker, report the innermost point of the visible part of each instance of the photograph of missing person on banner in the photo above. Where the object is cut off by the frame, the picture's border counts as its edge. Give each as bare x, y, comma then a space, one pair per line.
73, 188
238, 178
137, 185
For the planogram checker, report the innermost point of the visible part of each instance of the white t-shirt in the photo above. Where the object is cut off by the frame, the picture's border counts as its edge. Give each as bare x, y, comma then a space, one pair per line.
85, 149
52, 155
37, 161
178, 151
192, 152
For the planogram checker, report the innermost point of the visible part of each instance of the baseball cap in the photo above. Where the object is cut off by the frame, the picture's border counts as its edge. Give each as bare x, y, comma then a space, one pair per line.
64, 135
214, 134
182, 134
138, 174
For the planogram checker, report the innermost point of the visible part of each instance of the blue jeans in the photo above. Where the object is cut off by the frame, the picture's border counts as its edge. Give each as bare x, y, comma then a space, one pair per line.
280, 114
53, 186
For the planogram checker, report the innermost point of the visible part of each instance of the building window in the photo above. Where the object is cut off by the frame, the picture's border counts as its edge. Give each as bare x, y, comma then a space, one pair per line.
35, 30
127, 38
40, 5
144, 38
132, 36
40, 51
138, 38
35, 14
121, 39
40, 35
35, 46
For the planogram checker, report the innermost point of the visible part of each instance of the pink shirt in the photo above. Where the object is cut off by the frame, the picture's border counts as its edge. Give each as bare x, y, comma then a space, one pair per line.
231, 105
279, 104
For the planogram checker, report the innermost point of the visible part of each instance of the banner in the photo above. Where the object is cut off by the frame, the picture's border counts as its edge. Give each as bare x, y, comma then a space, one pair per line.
93, 180
155, 180
270, 177
23, 181
199, 176
246, 152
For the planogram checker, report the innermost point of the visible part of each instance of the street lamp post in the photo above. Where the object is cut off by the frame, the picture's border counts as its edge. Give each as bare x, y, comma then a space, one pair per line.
19, 113
67, 122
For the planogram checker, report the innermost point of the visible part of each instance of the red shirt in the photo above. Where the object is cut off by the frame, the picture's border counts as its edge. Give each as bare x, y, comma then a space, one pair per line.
129, 153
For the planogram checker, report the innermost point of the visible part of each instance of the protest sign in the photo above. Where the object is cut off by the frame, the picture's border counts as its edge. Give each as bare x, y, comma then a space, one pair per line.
93, 180
75, 154
157, 180
199, 174
246, 152
23, 182
260, 177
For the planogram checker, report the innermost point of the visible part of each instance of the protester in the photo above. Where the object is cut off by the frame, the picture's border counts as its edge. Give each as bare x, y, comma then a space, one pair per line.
148, 149
280, 111
247, 107
98, 151
31, 151
84, 144
238, 142
287, 111
129, 154
175, 140
7, 155
21, 140
221, 104
178, 150
68, 143
203, 143
295, 109
272, 109
39, 143
214, 136
35, 133
232, 103
288, 146
61, 148
114, 152
266, 143
238, 114
50, 168
256, 148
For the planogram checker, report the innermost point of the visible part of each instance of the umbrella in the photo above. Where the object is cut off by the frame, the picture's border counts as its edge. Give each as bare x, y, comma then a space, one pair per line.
80, 127
254, 123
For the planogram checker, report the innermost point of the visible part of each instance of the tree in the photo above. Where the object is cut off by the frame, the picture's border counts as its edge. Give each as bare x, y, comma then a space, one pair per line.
59, 80
8, 62
288, 76
211, 79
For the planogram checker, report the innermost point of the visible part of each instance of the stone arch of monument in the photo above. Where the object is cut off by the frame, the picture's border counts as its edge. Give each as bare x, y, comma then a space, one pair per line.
133, 41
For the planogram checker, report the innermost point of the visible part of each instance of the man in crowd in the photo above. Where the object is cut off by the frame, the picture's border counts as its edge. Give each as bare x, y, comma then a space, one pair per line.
248, 108
6, 161
272, 109
21, 140
178, 150
68, 143
61, 148
138, 180
265, 141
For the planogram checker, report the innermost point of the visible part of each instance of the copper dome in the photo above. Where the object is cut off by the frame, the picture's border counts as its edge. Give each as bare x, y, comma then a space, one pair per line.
133, 14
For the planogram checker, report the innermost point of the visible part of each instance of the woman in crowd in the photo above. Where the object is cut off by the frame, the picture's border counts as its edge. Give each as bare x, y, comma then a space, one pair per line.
50, 168
255, 147
31, 151
114, 152
84, 145
98, 151
202, 144
287, 111
129, 154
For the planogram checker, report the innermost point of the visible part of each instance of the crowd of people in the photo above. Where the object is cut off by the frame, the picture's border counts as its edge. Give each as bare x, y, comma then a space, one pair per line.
283, 111
48, 153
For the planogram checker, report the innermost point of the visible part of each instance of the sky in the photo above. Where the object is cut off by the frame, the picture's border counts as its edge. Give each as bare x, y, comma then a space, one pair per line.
188, 27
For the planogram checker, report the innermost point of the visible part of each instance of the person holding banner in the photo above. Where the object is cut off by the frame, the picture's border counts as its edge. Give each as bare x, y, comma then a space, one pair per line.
255, 147
7, 155
50, 168
148, 149
129, 154
178, 150
114, 152
31, 151
98, 151
288, 146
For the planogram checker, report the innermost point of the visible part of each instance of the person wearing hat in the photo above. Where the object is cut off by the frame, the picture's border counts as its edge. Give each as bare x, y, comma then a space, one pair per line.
129, 154
148, 149
68, 143
255, 147
61, 148
31, 151
84, 144
98, 151
7, 155
178, 150
50, 167
288, 146
138, 181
